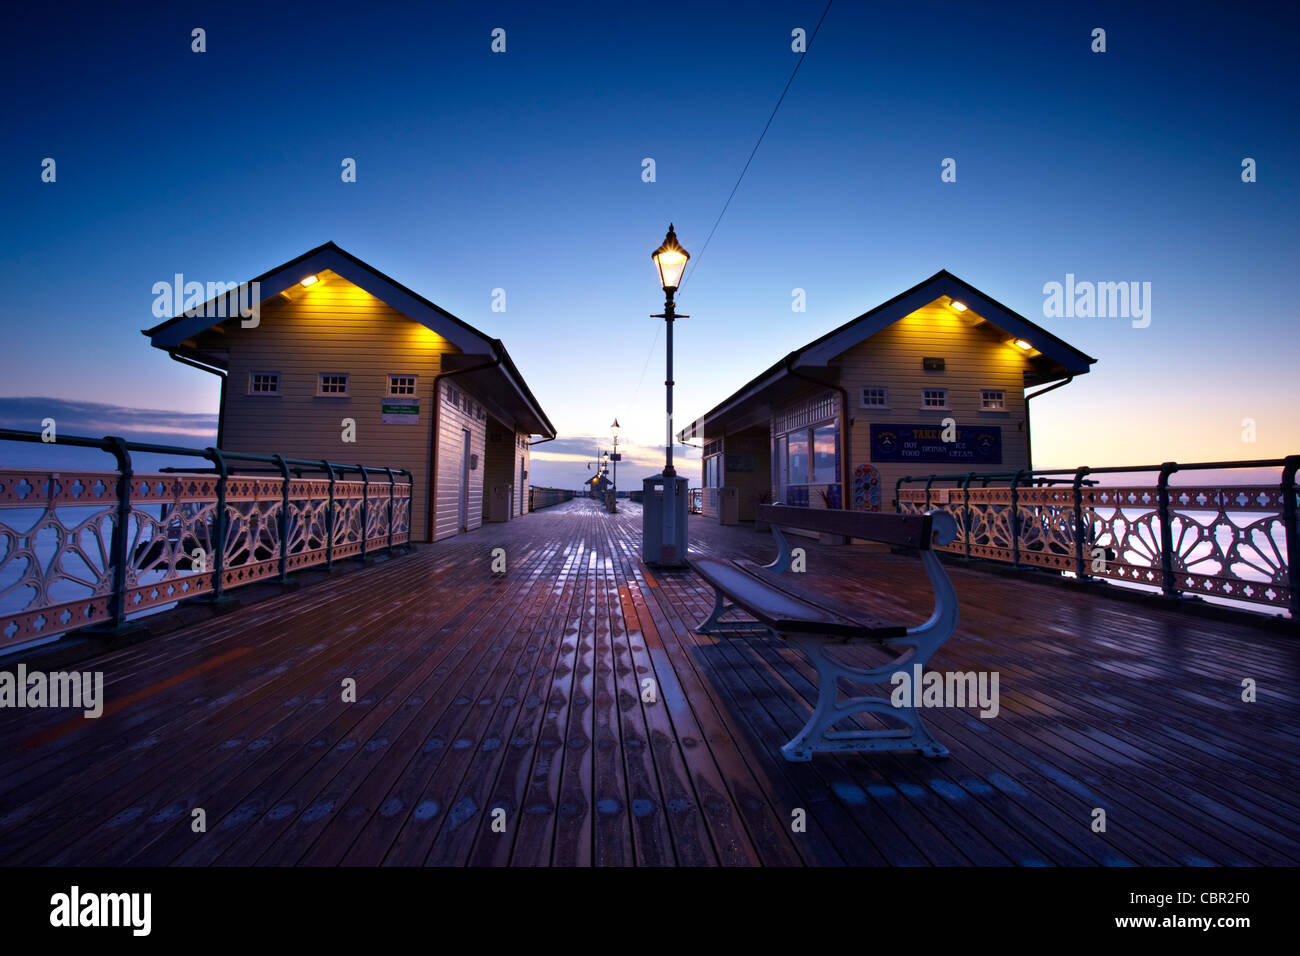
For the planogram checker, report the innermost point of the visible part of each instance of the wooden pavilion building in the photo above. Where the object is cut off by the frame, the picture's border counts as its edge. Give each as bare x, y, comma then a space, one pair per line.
934, 381
342, 362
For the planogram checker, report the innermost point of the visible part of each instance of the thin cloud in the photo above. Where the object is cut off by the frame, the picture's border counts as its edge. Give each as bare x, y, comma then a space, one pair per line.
96, 419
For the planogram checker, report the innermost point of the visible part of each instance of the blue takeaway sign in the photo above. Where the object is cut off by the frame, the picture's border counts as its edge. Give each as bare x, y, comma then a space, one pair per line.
981, 445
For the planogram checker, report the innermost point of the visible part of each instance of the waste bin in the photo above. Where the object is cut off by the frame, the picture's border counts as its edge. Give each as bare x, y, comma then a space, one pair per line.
728, 505
663, 523
499, 502
611, 504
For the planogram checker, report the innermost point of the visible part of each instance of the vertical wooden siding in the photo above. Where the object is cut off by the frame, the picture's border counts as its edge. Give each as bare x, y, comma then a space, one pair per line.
459, 410
523, 459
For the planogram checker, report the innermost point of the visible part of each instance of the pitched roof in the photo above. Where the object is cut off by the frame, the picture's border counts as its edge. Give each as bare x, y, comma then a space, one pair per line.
359, 273
820, 351
169, 335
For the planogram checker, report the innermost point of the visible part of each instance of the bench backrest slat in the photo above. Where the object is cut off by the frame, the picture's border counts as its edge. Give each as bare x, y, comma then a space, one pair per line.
910, 531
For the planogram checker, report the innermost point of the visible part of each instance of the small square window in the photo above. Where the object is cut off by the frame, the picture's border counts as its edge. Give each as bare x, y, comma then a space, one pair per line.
263, 383
934, 398
875, 397
993, 400
401, 385
333, 384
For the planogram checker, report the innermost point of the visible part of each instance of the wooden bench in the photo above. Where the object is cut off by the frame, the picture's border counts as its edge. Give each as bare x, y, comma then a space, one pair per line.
815, 623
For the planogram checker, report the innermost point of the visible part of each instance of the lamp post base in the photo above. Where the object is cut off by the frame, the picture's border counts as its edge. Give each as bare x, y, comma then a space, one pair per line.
664, 539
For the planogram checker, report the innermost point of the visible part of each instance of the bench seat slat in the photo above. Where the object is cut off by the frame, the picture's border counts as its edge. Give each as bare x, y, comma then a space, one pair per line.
905, 530
880, 626
785, 607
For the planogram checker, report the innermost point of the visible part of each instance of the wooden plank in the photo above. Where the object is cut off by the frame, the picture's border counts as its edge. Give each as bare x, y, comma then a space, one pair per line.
474, 686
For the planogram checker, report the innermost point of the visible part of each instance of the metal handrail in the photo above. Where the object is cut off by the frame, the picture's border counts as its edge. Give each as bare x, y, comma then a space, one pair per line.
1165, 513
223, 465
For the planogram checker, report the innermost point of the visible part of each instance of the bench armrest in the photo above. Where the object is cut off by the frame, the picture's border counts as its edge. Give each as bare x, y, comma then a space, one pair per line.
782, 562
943, 525
943, 620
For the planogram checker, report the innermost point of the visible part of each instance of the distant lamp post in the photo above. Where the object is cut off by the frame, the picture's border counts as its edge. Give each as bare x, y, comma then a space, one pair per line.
663, 528
600, 469
615, 459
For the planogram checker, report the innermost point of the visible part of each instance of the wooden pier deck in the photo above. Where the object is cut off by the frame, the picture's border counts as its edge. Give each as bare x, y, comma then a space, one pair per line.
523, 691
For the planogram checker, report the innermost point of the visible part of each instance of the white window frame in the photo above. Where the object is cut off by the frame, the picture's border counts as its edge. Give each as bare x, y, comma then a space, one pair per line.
415, 385
934, 408
320, 384
884, 390
264, 394
989, 408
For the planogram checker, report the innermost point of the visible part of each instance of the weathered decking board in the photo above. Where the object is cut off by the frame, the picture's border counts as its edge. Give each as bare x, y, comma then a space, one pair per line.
524, 692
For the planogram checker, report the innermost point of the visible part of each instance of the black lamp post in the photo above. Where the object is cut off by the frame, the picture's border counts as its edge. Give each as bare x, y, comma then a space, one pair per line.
600, 468
666, 544
613, 505
614, 457
670, 258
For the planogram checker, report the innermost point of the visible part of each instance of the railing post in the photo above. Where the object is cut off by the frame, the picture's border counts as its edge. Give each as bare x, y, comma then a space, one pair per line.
118, 544
1166, 530
1015, 518
1079, 564
284, 519
1289, 467
965, 517
365, 509
391, 483
219, 526
929, 481
898, 487
329, 520
410, 500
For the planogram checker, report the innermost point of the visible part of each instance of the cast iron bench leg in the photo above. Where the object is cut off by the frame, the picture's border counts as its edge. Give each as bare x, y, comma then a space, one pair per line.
715, 625
817, 735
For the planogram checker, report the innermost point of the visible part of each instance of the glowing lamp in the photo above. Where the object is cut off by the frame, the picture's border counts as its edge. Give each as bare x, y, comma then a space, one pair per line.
671, 260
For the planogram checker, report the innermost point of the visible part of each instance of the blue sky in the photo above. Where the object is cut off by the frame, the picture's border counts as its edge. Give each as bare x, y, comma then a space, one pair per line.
522, 171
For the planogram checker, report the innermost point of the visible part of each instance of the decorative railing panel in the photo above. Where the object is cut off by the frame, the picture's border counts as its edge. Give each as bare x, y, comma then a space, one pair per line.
72, 554
1226, 541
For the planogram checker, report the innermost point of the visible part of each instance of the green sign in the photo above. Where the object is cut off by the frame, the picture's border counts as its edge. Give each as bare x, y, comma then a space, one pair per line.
401, 411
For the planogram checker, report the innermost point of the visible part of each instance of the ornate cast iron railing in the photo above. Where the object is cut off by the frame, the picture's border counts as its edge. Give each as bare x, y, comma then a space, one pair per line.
1228, 541
91, 548
539, 498
695, 501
